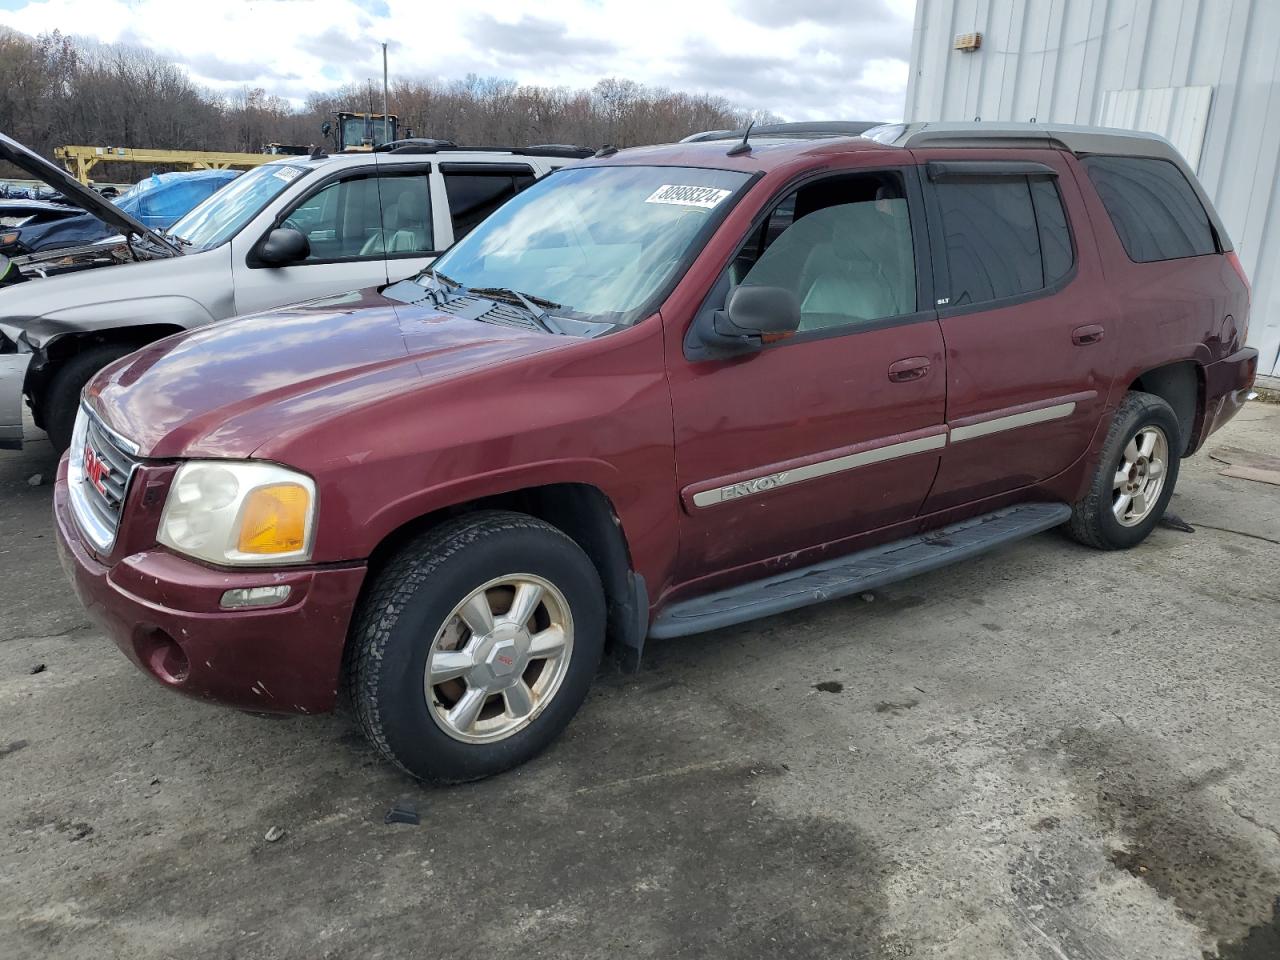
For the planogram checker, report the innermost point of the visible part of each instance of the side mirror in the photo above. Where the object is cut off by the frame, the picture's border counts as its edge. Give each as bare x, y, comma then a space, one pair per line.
753, 315
284, 246
769, 313
326, 128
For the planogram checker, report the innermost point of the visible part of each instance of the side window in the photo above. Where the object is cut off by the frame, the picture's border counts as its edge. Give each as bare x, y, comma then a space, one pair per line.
1154, 209
475, 192
1055, 237
842, 246
340, 220
992, 240
406, 216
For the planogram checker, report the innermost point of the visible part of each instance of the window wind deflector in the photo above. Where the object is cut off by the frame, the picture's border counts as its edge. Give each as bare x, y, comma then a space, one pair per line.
986, 169
488, 169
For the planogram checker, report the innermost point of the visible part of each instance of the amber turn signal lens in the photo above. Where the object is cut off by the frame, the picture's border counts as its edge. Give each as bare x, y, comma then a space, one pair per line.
274, 519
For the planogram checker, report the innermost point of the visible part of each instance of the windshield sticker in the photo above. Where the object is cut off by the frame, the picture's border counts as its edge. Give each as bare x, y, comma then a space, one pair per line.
287, 174
682, 196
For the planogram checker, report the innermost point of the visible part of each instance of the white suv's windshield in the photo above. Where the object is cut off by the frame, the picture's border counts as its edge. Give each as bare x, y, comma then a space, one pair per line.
220, 217
599, 242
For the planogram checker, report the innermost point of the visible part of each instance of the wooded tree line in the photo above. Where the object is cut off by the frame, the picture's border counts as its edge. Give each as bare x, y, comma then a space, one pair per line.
54, 91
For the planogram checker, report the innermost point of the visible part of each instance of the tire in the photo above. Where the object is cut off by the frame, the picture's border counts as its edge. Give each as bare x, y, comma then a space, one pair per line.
1102, 519
62, 396
411, 615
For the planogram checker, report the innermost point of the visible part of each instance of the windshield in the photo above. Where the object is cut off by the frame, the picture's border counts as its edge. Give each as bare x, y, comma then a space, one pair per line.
220, 217
601, 242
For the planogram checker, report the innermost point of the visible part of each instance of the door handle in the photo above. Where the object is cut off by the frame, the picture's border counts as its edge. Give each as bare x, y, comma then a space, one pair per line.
1089, 333
912, 368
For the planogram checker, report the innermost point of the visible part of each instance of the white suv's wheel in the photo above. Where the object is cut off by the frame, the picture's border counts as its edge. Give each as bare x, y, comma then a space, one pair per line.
475, 646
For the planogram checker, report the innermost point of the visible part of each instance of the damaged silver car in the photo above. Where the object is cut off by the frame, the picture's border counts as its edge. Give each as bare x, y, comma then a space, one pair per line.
293, 229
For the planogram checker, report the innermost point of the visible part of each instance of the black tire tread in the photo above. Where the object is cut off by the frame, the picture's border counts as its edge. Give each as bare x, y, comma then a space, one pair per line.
396, 583
1084, 526
62, 395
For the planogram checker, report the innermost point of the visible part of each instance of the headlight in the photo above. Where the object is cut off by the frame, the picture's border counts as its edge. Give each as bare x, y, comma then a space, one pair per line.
239, 513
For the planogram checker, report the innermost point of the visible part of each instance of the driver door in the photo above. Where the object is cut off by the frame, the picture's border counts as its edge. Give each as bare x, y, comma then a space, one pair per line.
832, 432
353, 223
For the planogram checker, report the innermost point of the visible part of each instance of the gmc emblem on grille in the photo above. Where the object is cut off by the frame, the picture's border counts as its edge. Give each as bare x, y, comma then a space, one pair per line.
95, 470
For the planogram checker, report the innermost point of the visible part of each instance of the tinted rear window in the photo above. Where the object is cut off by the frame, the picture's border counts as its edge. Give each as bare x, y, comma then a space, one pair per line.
1154, 209
472, 197
1005, 237
1055, 237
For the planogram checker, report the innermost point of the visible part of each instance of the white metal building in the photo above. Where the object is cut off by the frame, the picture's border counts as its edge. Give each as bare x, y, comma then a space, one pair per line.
1204, 73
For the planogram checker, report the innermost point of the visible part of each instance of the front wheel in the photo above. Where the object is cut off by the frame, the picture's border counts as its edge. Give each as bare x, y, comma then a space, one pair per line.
1135, 476
475, 646
62, 396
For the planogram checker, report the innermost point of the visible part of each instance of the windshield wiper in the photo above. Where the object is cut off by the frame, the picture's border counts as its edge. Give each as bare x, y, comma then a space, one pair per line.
536, 306
443, 288
442, 278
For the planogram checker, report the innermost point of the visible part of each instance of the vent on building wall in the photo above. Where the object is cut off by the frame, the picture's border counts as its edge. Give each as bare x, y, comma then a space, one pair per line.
968, 42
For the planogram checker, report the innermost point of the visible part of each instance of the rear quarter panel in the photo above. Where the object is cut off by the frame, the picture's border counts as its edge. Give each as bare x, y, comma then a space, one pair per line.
1193, 308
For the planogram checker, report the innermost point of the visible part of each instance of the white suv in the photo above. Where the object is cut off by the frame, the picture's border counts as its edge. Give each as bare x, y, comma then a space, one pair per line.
290, 230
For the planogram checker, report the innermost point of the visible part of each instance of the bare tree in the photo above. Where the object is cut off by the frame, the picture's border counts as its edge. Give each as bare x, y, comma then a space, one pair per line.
55, 90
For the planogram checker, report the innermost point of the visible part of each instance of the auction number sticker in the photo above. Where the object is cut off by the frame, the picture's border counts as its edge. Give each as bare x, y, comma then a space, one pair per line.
683, 196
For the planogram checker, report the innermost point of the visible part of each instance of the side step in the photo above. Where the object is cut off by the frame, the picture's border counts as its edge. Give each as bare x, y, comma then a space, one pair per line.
858, 572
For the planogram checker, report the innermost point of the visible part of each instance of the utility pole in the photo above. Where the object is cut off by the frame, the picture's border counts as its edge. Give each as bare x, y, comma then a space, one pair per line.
385, 121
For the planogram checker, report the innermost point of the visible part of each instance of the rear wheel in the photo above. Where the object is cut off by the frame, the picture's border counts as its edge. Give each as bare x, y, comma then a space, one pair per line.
1135, 477
475, 646
62, 396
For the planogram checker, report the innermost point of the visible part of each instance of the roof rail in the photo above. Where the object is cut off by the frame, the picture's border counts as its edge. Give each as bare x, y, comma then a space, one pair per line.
801, 130
1059, 136
420, 145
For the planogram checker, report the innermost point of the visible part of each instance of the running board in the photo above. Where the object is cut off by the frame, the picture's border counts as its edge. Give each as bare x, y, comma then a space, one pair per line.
858, 572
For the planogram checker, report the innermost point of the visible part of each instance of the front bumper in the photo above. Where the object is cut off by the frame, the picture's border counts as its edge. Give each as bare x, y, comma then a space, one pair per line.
13, 373
163, 613
1227, 385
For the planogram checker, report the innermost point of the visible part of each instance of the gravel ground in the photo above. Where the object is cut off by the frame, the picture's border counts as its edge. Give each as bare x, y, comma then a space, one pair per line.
1047, 752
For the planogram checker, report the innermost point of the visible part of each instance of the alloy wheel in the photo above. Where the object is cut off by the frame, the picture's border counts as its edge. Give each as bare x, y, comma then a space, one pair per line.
499, 659
1140, 477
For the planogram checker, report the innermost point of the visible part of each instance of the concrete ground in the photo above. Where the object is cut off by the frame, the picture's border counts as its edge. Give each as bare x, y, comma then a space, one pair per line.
1046, 753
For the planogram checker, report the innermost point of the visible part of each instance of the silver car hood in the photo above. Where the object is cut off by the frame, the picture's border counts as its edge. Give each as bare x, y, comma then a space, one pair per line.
78, 194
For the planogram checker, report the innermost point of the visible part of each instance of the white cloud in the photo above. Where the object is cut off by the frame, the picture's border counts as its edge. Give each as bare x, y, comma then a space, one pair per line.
803, 59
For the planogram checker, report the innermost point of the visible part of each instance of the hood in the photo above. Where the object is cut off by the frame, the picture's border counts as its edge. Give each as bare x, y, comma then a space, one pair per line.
29, 208
77, 193
183, 291
226, 389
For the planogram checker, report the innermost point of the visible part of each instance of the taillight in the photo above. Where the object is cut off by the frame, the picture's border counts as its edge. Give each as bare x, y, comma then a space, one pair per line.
1239, 269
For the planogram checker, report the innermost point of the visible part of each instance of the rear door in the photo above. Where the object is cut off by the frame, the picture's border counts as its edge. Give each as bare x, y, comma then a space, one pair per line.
1028, 325
475, 190
837, 430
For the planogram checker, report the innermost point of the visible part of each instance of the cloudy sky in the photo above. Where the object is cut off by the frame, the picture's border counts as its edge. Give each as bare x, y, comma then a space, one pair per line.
802, 59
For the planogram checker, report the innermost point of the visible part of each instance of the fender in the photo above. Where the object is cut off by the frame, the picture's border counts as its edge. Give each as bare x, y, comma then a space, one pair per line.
592, 472
171, 310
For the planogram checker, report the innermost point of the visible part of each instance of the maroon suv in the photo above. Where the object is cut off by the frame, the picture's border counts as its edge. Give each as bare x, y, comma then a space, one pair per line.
663, 391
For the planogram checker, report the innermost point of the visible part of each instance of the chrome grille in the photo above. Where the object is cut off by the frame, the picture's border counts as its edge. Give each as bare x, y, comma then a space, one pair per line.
101, 466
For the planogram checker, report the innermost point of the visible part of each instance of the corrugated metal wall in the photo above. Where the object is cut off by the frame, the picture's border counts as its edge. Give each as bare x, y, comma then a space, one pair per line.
1059, 60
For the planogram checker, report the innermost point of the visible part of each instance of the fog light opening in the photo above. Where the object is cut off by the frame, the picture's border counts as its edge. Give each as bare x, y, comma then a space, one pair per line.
255, 597
162, 655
